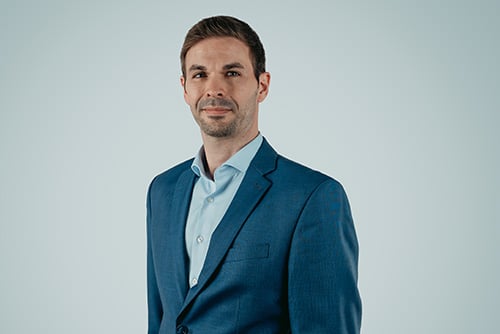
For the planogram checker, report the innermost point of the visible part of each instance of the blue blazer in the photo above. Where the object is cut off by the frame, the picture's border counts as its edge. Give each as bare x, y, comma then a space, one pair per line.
283, 259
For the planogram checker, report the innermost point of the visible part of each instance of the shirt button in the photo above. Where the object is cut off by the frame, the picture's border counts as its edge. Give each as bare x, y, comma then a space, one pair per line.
199, 239
210, 200
194, 281
181, 329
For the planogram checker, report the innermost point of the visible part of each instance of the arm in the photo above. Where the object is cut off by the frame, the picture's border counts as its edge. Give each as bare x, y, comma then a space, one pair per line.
322, 290
155, 310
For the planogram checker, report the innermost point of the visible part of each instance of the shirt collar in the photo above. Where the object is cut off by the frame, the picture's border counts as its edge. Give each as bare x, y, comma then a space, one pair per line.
239, 161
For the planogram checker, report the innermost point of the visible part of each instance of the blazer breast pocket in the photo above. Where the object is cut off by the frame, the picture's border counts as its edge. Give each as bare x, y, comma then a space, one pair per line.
242, 252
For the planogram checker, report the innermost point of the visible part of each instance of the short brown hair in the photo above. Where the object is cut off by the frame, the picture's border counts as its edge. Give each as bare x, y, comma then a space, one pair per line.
226, 26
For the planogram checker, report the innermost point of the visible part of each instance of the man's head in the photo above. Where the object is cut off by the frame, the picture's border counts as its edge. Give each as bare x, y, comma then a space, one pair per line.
220, 80
226, 26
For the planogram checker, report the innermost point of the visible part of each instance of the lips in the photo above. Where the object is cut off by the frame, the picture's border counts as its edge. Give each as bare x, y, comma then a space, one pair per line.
216, 111
216, 106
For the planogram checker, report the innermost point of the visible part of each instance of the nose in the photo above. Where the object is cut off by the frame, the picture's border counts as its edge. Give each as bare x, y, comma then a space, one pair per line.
215, 87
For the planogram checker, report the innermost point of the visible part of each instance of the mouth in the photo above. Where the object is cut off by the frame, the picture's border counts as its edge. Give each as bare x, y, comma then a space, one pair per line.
215, 111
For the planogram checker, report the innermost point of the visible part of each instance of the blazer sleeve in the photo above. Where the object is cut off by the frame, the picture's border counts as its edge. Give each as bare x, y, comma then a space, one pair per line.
322, 292
155, 310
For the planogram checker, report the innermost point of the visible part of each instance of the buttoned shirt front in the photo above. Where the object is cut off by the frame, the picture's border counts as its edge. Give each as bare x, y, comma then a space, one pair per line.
210, 200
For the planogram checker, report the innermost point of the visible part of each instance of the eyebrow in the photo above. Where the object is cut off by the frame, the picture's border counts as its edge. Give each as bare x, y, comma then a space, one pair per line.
233, 65
196, 67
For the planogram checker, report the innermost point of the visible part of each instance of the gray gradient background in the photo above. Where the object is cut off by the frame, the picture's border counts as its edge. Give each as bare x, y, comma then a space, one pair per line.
398, 100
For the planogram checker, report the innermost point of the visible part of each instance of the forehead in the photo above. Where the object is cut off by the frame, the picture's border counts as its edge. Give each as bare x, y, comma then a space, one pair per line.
220, 50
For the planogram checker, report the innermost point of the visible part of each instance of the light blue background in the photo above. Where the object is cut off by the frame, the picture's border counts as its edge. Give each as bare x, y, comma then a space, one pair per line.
399, 100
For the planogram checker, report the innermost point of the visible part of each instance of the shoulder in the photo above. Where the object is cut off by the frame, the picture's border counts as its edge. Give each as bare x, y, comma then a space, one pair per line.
170, 177
291, 176
296, 173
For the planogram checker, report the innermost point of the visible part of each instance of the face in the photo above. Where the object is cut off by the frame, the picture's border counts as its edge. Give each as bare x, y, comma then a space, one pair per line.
221, 89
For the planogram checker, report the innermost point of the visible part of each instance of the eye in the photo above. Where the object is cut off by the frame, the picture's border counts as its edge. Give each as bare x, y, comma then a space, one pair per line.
199, 75
232, 74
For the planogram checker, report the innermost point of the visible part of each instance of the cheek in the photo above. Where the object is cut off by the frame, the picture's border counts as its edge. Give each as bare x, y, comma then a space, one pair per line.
191, 95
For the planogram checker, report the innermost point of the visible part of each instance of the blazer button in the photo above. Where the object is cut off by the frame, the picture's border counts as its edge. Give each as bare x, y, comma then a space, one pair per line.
181, 329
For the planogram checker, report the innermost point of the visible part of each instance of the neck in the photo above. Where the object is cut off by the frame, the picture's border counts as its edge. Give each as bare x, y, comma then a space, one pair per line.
219, 150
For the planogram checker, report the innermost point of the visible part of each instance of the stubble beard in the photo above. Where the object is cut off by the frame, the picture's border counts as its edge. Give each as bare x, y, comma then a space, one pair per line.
216, 127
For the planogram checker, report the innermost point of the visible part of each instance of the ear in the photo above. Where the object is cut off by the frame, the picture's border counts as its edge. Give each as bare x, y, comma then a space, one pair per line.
264, 81
183, 84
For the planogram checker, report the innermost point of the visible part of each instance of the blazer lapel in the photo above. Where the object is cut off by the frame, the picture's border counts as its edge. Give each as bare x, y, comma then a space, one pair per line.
172, 236
252, 188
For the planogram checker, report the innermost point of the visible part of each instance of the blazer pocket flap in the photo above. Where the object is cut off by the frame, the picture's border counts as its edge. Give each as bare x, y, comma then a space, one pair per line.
240, 252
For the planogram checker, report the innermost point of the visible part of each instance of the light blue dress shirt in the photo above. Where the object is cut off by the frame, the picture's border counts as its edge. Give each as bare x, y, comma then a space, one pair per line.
210, 201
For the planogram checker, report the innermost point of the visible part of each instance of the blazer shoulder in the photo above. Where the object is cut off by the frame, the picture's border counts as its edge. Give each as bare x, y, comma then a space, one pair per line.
285, 171
297, 169
171, 175
302, 176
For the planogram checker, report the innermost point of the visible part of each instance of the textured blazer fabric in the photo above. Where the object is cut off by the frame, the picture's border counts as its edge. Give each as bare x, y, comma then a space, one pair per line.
283, 258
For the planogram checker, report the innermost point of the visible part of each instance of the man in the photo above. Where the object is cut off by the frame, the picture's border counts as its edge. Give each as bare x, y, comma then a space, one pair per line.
241, 239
